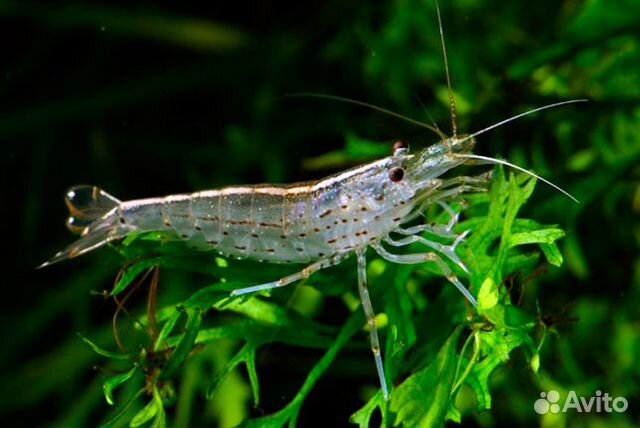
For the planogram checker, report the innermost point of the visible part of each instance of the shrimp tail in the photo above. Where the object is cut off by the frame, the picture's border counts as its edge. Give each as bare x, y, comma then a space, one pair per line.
93, 214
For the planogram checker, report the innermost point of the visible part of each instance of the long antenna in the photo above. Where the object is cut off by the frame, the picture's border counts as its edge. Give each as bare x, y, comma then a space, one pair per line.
526, 113
452, 101
368, 105
519, 168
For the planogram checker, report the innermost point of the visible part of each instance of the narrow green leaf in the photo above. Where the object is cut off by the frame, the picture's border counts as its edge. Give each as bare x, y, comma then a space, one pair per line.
552, 254
131, 273
167, 329
250, 362
116, 420
100, 351
185, 345
145, 414
160, 420
114, 382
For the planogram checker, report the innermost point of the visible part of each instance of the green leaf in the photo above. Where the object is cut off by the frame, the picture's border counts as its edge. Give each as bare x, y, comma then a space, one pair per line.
145, 414
131, 273
552, 254
423, 398
363, 416
160, 420
116, 420
194, 319
167, 329
541, 236
104, 352
246, 355
114, 382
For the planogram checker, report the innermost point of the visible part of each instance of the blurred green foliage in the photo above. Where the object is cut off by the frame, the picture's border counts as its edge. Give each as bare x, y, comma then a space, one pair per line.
160, 98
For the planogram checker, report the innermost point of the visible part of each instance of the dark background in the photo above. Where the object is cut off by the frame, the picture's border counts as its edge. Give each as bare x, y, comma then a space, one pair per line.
160, 97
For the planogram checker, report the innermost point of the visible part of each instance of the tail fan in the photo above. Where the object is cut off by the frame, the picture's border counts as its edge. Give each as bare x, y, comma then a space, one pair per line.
92, 215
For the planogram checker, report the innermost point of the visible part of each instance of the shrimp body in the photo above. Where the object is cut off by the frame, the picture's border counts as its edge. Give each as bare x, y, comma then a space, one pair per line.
297, 223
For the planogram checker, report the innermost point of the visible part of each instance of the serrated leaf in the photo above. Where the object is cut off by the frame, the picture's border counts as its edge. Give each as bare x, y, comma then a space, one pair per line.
541, 236
423, 398
114, 382
246, 355
363, 416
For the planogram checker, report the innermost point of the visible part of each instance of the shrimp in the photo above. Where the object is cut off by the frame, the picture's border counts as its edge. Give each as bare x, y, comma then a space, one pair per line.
318, 224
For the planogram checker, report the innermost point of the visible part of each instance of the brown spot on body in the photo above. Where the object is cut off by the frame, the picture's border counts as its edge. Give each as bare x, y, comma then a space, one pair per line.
244, 222
166, 223
184, 236
344, 220
207, 218
397, 219
324, 214
198, 228
181, 215
255, 235
283, 236
269, 225
302, 235
363, 209
344, 207
270, 250
316, 229
240, 247
320, 254
212, 242
225, 233
380, 197
332, 241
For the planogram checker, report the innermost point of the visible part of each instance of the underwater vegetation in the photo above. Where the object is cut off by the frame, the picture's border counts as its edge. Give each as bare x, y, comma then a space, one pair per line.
162, 98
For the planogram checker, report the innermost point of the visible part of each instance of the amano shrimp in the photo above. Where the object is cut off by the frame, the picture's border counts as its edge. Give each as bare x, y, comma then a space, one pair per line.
317, 224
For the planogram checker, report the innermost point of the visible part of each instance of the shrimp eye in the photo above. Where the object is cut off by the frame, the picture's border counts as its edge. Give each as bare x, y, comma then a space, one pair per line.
400, 147
396, 174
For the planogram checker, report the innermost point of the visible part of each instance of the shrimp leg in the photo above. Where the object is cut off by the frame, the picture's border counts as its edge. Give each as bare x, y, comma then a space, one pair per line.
447, 250
303, 274
371, 320
423, 258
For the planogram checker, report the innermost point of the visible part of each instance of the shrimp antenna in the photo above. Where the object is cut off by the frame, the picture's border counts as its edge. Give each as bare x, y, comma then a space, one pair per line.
452, 101
526, 113
519, 168
502, 162
368, 105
